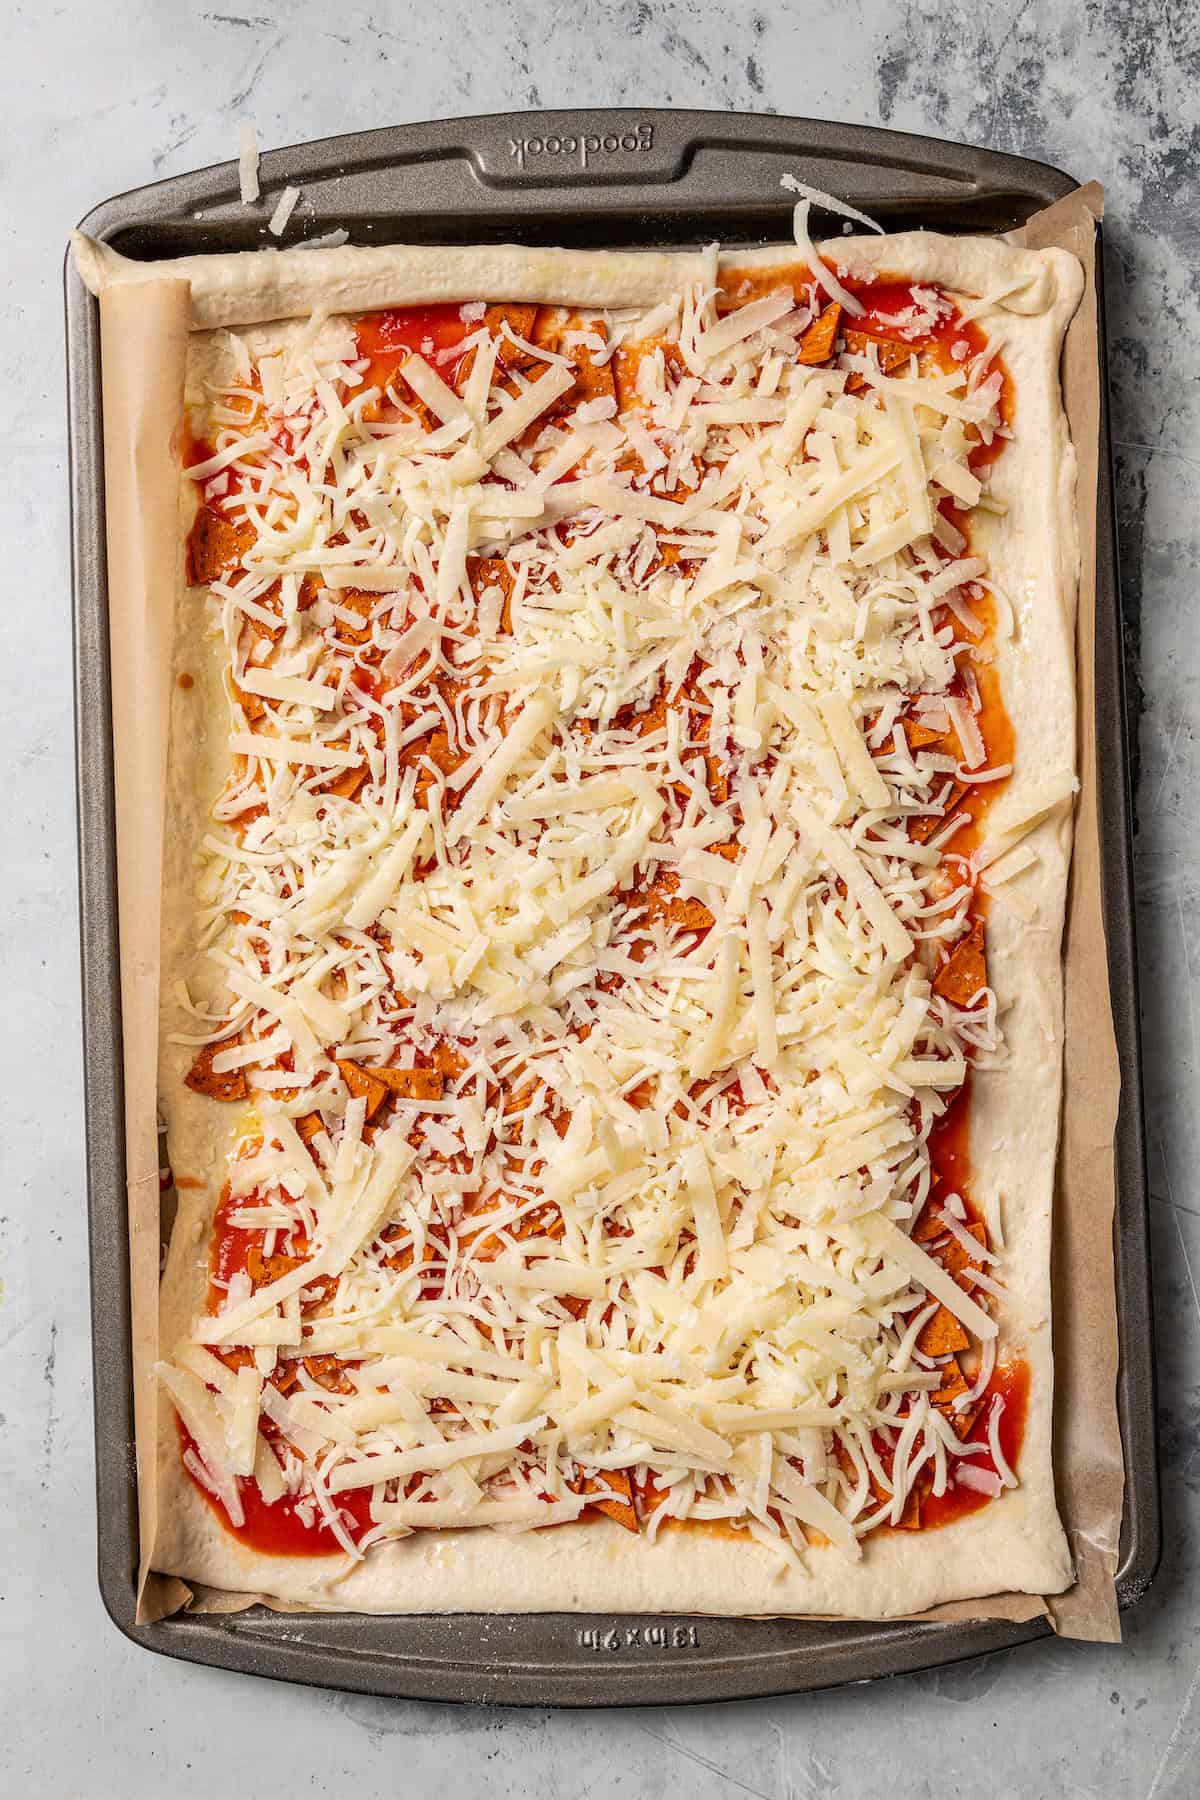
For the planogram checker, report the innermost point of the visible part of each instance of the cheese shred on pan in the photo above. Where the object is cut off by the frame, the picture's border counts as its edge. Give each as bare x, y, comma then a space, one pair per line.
577, 924
248, 161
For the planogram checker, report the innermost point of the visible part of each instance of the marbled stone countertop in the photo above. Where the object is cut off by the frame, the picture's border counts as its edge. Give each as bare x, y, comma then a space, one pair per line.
107, 97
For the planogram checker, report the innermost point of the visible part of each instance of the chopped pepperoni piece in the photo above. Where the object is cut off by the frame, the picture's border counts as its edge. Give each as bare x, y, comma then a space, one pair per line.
272, 602
411, 1084
448, 1062
963, 976
928, 1225
543, 1222
942, 1335
660, 484
893, 358
252, 705
668, 556
484, 572
919, 737
622, 1509
921, 829
660, 900
346, 785
628, 360
816, 343
653, 719
263, 1270
954, 1385
357, 601
364, 1084
957, 1261
910, 1512
594, 380
520, 321
510, 357
404, 1259
317, 1294
910, 1518
214, 544
202, 1078
437, 749
693, 915
330, 1373
286, 1376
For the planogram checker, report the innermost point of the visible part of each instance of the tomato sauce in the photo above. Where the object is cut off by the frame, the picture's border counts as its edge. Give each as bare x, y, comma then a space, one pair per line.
387, 339
1011, 1383
192, 448
230, 1247
281, 1528
949, 1140
886, 303
949, 1146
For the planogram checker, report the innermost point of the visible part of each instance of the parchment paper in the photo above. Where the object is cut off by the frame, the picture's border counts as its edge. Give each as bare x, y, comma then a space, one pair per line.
1088, 1456
143, 341
144, 328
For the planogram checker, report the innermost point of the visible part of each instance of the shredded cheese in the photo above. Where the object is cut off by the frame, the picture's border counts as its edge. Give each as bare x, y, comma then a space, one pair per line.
286, 205
248, 161
561, 919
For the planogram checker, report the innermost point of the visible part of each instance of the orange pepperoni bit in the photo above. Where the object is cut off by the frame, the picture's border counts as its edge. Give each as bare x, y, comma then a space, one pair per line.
214, 544
955, 1384
942, 1335
359, 602
412, 1084
922, 828
492, 571
958, 1262
816, 343
364, 1084
919, 737
963, 975
202, 1079
622, 1510
893, 358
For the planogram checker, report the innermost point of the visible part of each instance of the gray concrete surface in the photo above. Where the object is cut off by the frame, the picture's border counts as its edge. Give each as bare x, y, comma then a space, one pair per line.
104, 97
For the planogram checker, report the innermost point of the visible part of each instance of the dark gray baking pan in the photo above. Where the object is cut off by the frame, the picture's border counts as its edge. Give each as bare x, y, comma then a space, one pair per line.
601, 179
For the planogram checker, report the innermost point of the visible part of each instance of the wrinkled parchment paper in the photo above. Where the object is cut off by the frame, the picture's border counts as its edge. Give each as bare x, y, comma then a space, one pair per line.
144, 331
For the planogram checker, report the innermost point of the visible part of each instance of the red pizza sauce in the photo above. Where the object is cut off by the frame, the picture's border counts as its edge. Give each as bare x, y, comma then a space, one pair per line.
388, 338
1011, 1382
284, 1527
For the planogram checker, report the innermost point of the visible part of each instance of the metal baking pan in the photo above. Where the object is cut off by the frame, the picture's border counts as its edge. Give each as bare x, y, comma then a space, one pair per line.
602, 179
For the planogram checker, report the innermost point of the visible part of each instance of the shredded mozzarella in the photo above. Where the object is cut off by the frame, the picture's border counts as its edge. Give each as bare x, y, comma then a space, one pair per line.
562, 919
248, 161
278, 222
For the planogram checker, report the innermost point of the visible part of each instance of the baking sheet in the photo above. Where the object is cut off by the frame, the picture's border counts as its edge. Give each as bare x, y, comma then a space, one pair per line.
1090, 1610
143, 348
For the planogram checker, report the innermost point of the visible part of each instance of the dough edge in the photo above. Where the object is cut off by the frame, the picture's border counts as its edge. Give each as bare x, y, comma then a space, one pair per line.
245, 287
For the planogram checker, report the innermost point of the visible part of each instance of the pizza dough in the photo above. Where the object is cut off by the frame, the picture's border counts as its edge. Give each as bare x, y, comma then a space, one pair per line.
1015, 1543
